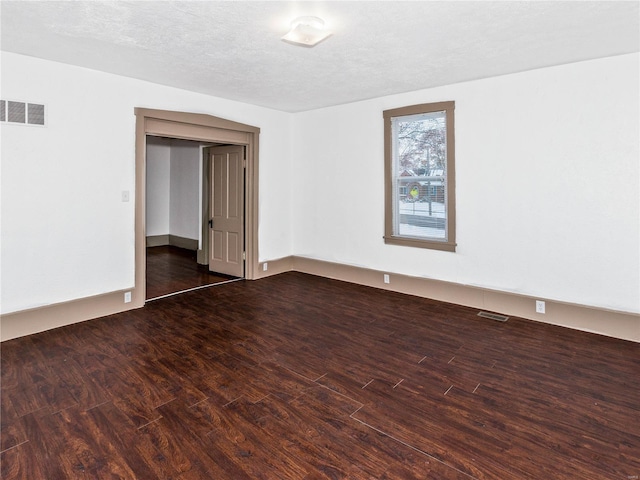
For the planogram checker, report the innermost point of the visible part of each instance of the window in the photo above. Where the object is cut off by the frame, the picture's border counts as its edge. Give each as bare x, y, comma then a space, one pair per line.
419, 176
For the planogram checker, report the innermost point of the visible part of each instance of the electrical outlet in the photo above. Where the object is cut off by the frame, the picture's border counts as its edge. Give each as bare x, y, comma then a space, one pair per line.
540, 306
127, 297
386, 278
265, 266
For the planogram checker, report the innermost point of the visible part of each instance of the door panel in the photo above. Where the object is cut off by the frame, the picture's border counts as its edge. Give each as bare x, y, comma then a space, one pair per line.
233, 253
227, 210
217, 246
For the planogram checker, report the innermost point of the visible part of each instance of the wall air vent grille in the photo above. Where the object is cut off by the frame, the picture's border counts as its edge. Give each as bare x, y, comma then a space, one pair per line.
16, 113
36, 114
493, 316
22, 113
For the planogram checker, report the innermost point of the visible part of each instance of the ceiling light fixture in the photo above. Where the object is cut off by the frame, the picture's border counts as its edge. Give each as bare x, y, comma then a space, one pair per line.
307, 32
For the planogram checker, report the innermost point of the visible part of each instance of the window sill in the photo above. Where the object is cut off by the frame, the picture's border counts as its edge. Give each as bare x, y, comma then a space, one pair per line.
419, 243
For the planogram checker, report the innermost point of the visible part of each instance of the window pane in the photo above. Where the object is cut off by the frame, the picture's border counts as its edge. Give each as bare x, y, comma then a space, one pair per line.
419, 175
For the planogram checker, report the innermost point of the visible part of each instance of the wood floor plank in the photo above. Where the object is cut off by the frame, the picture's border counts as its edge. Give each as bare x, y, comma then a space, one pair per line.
33, 365
236, 431
301, 377
131, 389
137, 451
214, 458
17, 464
330, 413
306, 439
44, 394
452, 444
85, 391
96, 455
179, 459
46, 452
11, 427
171, 269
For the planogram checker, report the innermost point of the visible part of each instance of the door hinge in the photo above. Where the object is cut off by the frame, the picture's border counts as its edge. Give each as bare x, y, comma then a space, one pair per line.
244, 255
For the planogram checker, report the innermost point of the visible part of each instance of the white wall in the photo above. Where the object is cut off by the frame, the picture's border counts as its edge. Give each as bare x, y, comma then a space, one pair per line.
185, 191
66, 234
547, 176
173, 188
157, 188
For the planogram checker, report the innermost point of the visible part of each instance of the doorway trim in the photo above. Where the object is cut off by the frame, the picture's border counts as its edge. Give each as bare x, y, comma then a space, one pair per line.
203, 128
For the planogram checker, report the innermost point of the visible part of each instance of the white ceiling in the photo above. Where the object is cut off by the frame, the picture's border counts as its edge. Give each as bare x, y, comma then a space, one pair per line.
233, 49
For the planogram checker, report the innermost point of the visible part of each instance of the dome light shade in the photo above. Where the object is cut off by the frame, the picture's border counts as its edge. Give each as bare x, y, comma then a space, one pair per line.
307, 32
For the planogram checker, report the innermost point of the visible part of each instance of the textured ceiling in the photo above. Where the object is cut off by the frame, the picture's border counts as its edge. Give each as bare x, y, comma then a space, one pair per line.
233, 49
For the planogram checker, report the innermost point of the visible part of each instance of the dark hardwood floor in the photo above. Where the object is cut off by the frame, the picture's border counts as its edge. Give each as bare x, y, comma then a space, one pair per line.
300, 377
172, 269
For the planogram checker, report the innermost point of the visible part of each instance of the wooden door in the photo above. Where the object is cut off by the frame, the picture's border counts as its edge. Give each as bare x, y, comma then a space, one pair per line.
226, 235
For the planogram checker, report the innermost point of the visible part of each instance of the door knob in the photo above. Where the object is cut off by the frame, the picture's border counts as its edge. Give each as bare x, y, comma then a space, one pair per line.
211, 223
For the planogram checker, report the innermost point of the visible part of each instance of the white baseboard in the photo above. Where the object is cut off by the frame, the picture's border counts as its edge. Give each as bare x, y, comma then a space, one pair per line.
173, 240
615, 324
157, 240
620, 325
275, 267
28, 322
